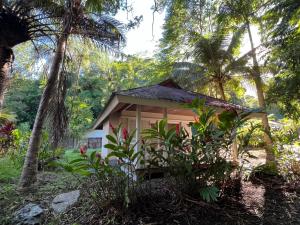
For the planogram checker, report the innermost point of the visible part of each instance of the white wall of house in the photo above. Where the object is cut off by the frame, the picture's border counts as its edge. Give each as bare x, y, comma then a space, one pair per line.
94, 134
94, 138
129, 120
113, 119
104, 151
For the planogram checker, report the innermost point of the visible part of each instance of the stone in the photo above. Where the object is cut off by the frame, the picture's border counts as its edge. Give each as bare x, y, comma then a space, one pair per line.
61, 202
30, 214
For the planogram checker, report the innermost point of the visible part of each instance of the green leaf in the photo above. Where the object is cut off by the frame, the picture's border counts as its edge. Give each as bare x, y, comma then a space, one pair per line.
77, 160
93, 155
209, 194
111, 146
68, 168
117, 154
111, 139
136, 155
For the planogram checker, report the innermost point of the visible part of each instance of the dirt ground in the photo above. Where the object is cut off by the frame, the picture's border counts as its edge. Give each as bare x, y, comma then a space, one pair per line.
262, 202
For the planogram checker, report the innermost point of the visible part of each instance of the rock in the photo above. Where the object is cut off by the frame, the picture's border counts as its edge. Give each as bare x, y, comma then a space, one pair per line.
61, 202
30, 214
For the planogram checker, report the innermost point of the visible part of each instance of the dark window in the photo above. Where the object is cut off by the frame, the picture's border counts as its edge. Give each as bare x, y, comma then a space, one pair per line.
94, 142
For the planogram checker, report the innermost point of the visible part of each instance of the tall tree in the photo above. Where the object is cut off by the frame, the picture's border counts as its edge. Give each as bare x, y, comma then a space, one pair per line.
215, 53
282, 23
19, 22
75, 18
248, 12
184, 17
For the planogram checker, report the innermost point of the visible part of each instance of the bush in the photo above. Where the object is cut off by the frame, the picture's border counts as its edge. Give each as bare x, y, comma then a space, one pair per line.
6, 136
288, 156
19, 145
199, 164
18, 148
251, 135
106, 183
269, 169
8, 170
288, 160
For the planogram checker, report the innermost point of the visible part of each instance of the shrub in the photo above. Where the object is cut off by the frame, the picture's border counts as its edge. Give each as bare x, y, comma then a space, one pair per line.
17, 150
288, 156
6, 137
19, 145
8, 170
251, 135
108, 184
199, 163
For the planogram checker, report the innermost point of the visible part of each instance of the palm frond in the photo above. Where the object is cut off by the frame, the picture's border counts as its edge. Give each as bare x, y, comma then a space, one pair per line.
104, 31
235, 40
189, 75
106, 6
20, 22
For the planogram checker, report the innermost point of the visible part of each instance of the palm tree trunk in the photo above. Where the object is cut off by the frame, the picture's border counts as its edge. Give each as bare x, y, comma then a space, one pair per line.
221, 90
29, 172
261, 100
6, 59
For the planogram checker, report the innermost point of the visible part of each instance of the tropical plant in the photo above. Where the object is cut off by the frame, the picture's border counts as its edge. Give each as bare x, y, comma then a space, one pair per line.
19, 22
74, 18
104, 183
121, 146
6, 136
214, 60
286, 141
17, 150
199, 162
113, 178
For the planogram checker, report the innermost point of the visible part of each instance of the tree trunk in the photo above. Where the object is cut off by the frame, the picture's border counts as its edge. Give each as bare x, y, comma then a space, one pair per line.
221, 90
29, 172
261, 100
6, 59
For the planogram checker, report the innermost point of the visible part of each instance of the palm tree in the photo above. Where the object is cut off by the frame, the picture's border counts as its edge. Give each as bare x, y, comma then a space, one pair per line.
214, 60
245, 12
75, 19
19, 22
216, 54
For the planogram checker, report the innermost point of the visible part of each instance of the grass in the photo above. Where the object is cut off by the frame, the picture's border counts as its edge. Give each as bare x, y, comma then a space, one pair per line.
8, 170
71, 154
50, 183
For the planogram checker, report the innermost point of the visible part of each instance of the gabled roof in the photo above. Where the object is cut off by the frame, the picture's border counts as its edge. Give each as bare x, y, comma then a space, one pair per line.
166, 91
169, 90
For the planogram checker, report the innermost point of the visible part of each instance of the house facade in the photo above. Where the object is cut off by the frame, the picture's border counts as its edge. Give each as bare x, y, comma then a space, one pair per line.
140, 108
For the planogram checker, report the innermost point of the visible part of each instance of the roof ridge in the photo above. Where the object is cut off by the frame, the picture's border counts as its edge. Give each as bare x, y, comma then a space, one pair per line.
146, 86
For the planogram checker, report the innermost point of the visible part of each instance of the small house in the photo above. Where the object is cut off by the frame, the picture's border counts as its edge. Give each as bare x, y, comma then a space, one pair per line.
140, 108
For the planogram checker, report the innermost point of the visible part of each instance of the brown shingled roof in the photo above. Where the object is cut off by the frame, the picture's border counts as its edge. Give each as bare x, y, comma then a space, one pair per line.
169, 90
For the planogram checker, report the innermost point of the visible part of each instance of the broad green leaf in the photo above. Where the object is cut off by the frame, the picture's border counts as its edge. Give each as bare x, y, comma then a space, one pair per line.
111, 139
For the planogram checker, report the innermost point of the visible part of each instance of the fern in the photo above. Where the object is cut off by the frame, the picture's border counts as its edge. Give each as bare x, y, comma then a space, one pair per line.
209, 194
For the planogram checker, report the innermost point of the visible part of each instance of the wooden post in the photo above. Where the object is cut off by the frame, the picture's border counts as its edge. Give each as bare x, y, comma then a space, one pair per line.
234, 149
165, 113
138, 131
138, 126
